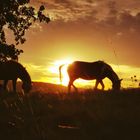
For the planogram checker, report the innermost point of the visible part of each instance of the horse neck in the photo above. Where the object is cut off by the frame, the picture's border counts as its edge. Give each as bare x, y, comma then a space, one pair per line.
24, 76
113, 77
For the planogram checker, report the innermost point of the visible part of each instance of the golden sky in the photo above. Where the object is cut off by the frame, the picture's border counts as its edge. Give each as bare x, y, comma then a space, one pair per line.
86, 30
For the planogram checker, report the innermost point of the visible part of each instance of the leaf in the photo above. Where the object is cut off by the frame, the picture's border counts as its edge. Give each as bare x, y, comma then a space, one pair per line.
41, 8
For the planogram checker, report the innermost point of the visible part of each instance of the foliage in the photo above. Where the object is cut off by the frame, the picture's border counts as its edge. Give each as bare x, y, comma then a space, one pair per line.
9, 52
18, 16
135, 81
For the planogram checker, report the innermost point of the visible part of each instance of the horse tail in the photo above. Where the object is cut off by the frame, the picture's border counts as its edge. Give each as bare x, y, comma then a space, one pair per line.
60, 74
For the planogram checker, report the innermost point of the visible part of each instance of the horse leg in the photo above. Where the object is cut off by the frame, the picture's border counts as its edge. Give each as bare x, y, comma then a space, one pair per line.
75, 88
96, 85
71, 84
14, 84
5, 84
102, 84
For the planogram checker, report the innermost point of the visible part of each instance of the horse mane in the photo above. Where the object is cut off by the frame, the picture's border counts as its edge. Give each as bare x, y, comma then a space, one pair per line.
26, 73
114, 76
23, 74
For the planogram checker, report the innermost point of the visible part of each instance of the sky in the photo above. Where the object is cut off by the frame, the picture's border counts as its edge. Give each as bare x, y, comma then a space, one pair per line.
85, 30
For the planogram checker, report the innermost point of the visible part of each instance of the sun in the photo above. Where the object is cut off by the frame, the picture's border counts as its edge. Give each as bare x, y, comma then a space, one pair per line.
54, 69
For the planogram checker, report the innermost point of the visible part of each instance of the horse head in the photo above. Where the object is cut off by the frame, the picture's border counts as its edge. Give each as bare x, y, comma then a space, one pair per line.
26, 86
117, 84
26, 79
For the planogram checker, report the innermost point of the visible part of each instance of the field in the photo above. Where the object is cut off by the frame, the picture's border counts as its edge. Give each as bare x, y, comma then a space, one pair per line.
49, 113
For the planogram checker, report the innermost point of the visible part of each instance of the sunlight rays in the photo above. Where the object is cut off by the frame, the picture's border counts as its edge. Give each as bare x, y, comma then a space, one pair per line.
54, 69
50, 73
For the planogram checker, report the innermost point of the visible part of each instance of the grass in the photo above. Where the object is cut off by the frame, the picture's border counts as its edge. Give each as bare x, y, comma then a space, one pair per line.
59, 116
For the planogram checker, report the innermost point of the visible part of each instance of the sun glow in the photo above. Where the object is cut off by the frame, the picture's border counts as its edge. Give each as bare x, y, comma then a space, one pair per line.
54, 69
122, 71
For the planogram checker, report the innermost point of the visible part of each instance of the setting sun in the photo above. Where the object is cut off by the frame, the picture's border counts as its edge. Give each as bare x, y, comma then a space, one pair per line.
54, 69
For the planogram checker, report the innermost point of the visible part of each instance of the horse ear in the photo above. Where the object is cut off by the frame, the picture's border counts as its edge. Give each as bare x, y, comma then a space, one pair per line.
120, 80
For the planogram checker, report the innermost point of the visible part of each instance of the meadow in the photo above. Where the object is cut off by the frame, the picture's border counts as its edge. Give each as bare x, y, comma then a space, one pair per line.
55, 115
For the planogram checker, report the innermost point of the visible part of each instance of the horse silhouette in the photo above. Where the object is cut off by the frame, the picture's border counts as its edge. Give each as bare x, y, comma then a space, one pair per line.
89, 71
12, 70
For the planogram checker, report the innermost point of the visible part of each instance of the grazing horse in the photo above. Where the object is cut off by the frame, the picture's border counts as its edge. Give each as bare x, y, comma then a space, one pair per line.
12, 70
89, 71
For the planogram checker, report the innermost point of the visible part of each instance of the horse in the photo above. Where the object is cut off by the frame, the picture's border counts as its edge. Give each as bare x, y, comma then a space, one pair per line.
89, 71
12, 70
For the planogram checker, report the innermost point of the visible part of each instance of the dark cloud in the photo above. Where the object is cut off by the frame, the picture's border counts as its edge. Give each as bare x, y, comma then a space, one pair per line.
69, 10
124, 21
104, 7
115, 16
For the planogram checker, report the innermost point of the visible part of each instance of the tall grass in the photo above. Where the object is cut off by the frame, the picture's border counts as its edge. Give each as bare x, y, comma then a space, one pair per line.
87, 115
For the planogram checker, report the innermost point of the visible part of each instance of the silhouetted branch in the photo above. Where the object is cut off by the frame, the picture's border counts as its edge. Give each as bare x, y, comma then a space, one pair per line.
18, 16
9, 52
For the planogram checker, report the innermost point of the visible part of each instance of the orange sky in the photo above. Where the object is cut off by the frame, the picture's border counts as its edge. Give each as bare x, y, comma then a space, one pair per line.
87, 30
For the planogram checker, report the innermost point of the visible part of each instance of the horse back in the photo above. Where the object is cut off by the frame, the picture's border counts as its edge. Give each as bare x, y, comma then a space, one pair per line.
9, 70
86, 70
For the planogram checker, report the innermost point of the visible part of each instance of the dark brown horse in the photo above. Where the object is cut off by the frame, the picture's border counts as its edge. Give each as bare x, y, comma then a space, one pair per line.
91, 70
12, 70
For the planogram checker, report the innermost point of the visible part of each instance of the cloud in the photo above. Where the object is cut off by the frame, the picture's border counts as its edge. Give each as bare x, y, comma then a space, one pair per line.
40, 71
110, 11
113, 15
69, 10
123, 22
